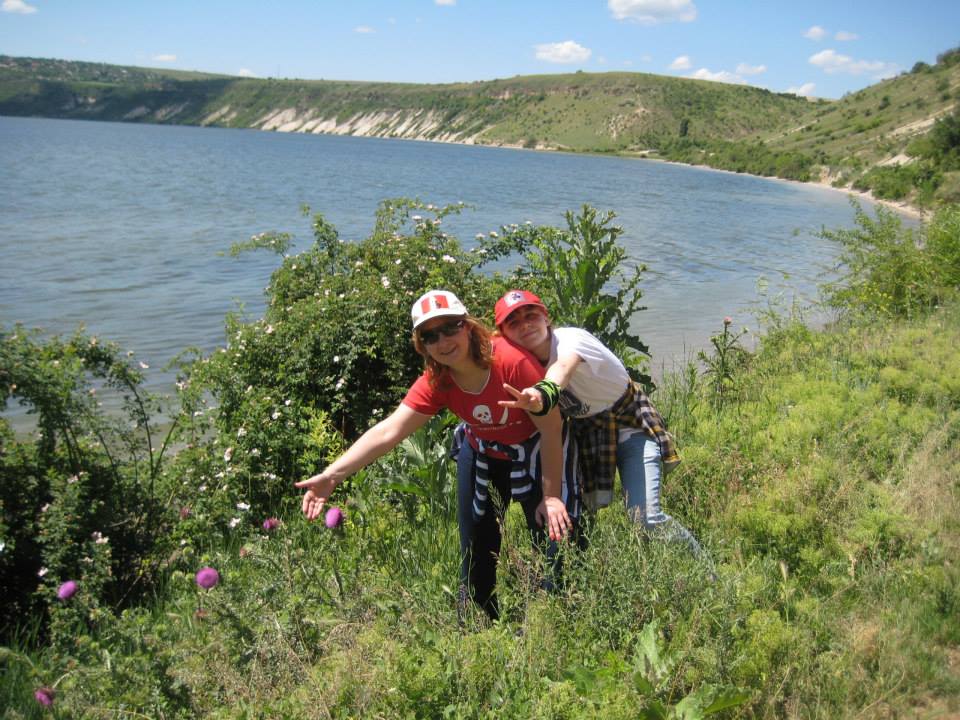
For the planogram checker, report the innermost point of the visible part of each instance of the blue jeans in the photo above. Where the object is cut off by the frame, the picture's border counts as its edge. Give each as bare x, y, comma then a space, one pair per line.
638, 460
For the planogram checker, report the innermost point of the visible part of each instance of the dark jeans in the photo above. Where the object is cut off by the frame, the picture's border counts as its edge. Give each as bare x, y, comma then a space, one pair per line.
480, 540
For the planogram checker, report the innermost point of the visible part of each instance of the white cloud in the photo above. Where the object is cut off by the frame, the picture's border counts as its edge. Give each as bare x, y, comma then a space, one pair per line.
815, 33
562, 52
651, 12
681, 63
844, 36
831, 62
244, 72
745, 69
17, 6
364, 29
805, 90
721, 76
445, 2
165, 57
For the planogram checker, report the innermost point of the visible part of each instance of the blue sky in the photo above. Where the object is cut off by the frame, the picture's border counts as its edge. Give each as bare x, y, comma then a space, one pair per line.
811, 47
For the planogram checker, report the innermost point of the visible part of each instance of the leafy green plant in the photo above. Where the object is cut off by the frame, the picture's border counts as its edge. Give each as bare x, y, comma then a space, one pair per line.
83, 501
580, 273
882, 266
724, 364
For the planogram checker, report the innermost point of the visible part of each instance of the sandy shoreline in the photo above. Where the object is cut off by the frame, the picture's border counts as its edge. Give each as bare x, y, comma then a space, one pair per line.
896, 205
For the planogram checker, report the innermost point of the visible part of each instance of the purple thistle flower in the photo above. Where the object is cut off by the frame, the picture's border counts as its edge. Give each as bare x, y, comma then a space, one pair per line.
334, 518
68, 590
271, 523
44, 696
207, 577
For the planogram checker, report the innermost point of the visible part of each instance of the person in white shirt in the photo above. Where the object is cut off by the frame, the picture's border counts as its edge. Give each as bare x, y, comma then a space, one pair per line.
616, 426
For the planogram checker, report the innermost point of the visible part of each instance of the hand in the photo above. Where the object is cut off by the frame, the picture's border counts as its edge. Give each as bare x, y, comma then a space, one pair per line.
319, 488
552, 511
528, 399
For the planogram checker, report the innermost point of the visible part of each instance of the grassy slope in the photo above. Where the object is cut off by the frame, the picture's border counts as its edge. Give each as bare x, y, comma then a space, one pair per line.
827, 493
877, 122
613, 111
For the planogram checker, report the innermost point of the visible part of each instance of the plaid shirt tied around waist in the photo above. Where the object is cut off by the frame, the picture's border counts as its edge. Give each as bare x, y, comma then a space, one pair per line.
598, 435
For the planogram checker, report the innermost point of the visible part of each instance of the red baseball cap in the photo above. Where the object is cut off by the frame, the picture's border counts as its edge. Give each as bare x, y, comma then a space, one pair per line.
513, 300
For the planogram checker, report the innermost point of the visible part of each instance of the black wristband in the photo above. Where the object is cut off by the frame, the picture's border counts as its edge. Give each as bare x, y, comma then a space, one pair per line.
550, 394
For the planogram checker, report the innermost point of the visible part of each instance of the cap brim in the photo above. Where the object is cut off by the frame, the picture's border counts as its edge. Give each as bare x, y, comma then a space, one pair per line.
440, 312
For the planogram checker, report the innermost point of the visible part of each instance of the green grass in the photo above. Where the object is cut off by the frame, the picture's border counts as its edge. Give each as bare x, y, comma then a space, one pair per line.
825, 488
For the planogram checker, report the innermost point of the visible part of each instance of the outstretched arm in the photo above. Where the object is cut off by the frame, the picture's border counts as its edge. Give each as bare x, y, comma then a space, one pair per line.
377, 441
530, 399
552, 511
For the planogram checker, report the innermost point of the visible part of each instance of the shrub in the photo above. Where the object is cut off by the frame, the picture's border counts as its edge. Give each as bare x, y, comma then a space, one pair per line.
82, 501
883, 268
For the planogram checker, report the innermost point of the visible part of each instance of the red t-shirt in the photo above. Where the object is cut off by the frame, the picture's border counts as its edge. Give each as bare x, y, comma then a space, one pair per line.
485, 418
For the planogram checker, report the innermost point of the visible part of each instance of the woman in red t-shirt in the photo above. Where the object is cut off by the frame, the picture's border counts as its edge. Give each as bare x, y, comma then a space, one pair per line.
465, 372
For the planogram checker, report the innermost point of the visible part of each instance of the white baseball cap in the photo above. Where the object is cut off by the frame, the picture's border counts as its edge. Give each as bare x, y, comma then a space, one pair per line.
436, 303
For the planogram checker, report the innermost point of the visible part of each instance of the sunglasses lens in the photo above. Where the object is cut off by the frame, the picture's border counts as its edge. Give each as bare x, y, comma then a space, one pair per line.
429, 337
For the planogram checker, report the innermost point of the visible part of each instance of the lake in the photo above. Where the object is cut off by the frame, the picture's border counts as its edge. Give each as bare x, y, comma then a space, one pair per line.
120, 227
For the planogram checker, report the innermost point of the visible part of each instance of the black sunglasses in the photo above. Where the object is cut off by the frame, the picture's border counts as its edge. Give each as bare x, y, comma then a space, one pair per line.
429, 337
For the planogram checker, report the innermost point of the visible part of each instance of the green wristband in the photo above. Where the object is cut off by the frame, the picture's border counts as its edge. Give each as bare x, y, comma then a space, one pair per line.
550, 393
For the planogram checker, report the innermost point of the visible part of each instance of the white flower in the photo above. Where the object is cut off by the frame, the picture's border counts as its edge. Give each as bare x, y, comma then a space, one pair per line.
243, 506
72, 479
255, 452
42, 571
336, 358
99, 538
397, 261
228, 453
480, 236
234, 522
202, 488
45, 508
493, 234
269, 329
385, 281
3, 545
449, 259
416, 218
287, 402
340, 383
143, 365
241, 432
275, 415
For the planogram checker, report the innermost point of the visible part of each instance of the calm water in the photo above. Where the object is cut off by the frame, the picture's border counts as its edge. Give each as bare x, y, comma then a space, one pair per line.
118, 227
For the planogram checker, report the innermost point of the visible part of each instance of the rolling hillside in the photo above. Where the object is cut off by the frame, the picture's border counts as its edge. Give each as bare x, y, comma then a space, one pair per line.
578, 112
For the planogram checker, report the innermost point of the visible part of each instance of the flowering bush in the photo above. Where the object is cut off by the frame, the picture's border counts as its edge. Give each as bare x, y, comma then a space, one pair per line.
84, 472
